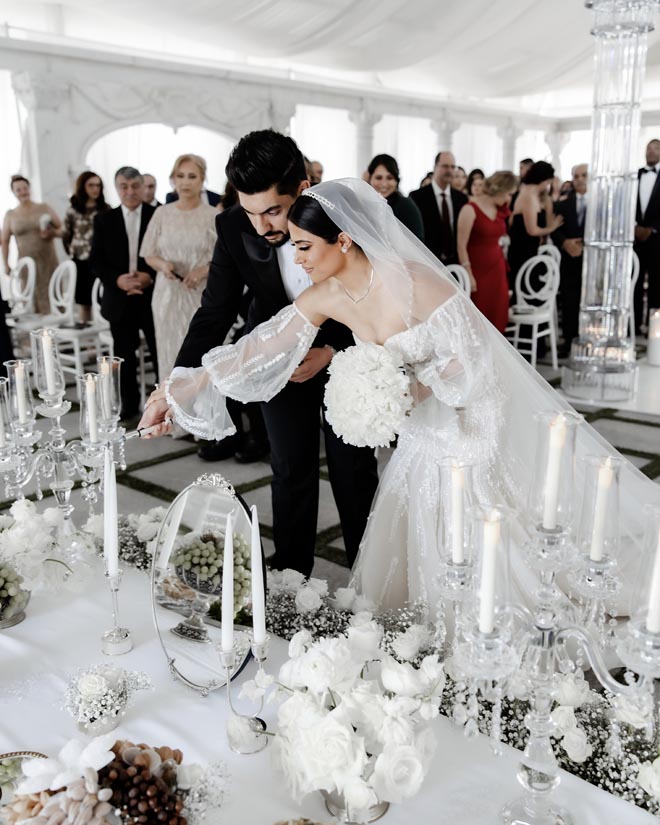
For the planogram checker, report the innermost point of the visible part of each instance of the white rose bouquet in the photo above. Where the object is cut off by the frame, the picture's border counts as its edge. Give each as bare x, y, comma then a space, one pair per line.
353, 719
367, 395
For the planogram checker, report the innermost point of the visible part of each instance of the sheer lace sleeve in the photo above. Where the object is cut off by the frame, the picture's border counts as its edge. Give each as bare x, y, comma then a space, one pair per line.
256, 368
449, 354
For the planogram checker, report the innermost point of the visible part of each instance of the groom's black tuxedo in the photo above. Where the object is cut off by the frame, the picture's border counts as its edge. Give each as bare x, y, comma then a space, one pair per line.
241, 258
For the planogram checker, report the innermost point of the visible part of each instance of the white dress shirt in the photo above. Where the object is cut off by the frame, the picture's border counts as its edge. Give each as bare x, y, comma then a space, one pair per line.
132, 218
438, 192
646, 184
580, 207
294, 277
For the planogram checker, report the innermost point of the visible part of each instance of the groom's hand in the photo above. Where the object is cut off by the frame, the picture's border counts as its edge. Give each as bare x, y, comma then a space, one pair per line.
316, 360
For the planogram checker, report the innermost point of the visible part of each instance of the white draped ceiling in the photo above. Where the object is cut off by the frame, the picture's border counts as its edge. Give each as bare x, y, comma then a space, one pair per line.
535, 55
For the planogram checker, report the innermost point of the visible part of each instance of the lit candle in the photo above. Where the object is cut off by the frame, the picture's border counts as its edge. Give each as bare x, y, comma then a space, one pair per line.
21, 404
49, 361
228, 589
653, 617
488, 567
653, 343
172, 530
258, 595
557, 439
106, 390
457, 486
110, 534
605, 477
90, 395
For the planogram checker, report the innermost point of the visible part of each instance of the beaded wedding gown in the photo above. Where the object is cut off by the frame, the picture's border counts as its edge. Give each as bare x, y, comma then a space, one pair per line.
475, 398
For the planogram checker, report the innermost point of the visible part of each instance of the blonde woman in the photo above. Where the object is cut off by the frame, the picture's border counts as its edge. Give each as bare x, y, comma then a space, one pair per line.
178, 244
481, 224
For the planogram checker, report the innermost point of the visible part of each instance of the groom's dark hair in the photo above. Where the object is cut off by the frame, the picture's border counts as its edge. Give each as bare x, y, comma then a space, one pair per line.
264, 159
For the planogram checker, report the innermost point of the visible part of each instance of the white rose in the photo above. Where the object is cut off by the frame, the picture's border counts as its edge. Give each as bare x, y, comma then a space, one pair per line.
114, 676
359, 797
299, 643
240, 732
92, 686
94, 525
307, 600
636, 712
53, 517
23, 510
365, 639
564, 719
329, 663
332, 754
432, 675
397, 727
364, 707
344, 598
291, 580
299, 711
401, 679
188, 775
398, 773
320, 586
571, 689
408, 644
649, 778
576, 745
147, 531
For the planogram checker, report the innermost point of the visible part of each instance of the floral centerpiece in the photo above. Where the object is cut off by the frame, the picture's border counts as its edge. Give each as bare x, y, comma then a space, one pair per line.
97, 697
137, 536
87, 781
352, 723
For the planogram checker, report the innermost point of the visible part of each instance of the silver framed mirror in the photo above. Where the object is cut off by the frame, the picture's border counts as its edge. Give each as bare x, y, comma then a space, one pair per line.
186, 581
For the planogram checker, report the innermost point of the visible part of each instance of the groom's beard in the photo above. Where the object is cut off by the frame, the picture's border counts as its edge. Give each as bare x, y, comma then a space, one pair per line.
276, 238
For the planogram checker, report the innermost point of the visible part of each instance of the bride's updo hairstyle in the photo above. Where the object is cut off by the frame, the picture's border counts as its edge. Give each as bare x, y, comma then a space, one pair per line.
308, 214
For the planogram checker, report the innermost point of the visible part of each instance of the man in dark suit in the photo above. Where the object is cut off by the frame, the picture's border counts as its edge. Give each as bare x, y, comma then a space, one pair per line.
127, 279
569, 239
440, 204
208, 196
149, 193
252, 249
647, 236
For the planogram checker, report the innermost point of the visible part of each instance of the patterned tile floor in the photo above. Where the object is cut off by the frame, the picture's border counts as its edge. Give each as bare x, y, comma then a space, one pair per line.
157, 470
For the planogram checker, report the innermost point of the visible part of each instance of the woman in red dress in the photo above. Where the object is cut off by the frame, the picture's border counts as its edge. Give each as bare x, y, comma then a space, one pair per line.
481, 224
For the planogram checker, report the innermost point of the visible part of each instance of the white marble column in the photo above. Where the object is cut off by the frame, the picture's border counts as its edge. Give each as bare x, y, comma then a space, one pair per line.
444, 126
556, 142
365, 120
509, 132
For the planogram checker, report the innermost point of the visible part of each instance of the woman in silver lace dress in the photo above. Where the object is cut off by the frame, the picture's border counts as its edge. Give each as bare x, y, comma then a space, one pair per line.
178, 244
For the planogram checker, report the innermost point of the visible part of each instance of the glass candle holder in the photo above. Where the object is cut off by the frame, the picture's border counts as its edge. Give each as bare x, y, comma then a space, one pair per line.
457, 501
598, 529
20, 406
5, 425
492, 592
109, 368
48, 374
89, 392
653, 343
551, 492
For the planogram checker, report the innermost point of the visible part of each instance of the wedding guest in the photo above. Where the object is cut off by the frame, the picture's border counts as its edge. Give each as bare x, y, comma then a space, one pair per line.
481, 224
127, 279
229, 197
384, 177
440, 204
569, 239
253, 249
86, 202
475, 183
34, 227
459, 180
647, 236
524, 166
208, 196
178, 244
566, 189
315, 172
426, 180
150, 190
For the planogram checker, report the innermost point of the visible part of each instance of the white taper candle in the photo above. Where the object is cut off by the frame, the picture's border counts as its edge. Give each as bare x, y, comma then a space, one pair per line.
110, 532
605, 478
47, 345
258, 593
457, 488
21, 404
92, 418
228, 589
553, 471
491, 538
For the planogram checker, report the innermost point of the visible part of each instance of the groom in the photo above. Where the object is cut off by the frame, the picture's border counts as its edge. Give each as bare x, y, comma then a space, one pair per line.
268, 171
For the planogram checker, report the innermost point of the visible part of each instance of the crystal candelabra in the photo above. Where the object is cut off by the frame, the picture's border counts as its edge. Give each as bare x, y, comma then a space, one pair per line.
21, 460
246, 733
503, 645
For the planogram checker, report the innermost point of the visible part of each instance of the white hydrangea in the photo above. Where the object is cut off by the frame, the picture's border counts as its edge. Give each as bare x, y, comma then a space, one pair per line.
367, 396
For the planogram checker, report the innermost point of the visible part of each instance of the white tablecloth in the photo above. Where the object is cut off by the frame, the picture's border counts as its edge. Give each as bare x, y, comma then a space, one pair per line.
466, 784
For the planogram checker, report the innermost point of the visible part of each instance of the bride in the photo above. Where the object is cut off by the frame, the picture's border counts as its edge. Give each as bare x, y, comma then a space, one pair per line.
474, 395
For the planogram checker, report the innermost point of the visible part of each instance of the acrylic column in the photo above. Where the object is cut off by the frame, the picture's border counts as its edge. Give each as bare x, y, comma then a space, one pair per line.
602, 363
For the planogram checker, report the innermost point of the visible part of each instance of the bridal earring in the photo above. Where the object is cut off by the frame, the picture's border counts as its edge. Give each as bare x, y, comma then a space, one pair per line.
344, 249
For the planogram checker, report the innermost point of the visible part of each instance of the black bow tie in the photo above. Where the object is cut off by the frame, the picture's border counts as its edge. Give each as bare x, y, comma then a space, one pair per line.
652, 169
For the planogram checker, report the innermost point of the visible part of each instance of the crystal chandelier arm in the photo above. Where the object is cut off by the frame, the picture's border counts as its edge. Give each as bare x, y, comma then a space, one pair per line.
597, 663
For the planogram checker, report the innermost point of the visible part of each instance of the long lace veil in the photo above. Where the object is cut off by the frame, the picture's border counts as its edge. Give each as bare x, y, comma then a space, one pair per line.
418, 283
